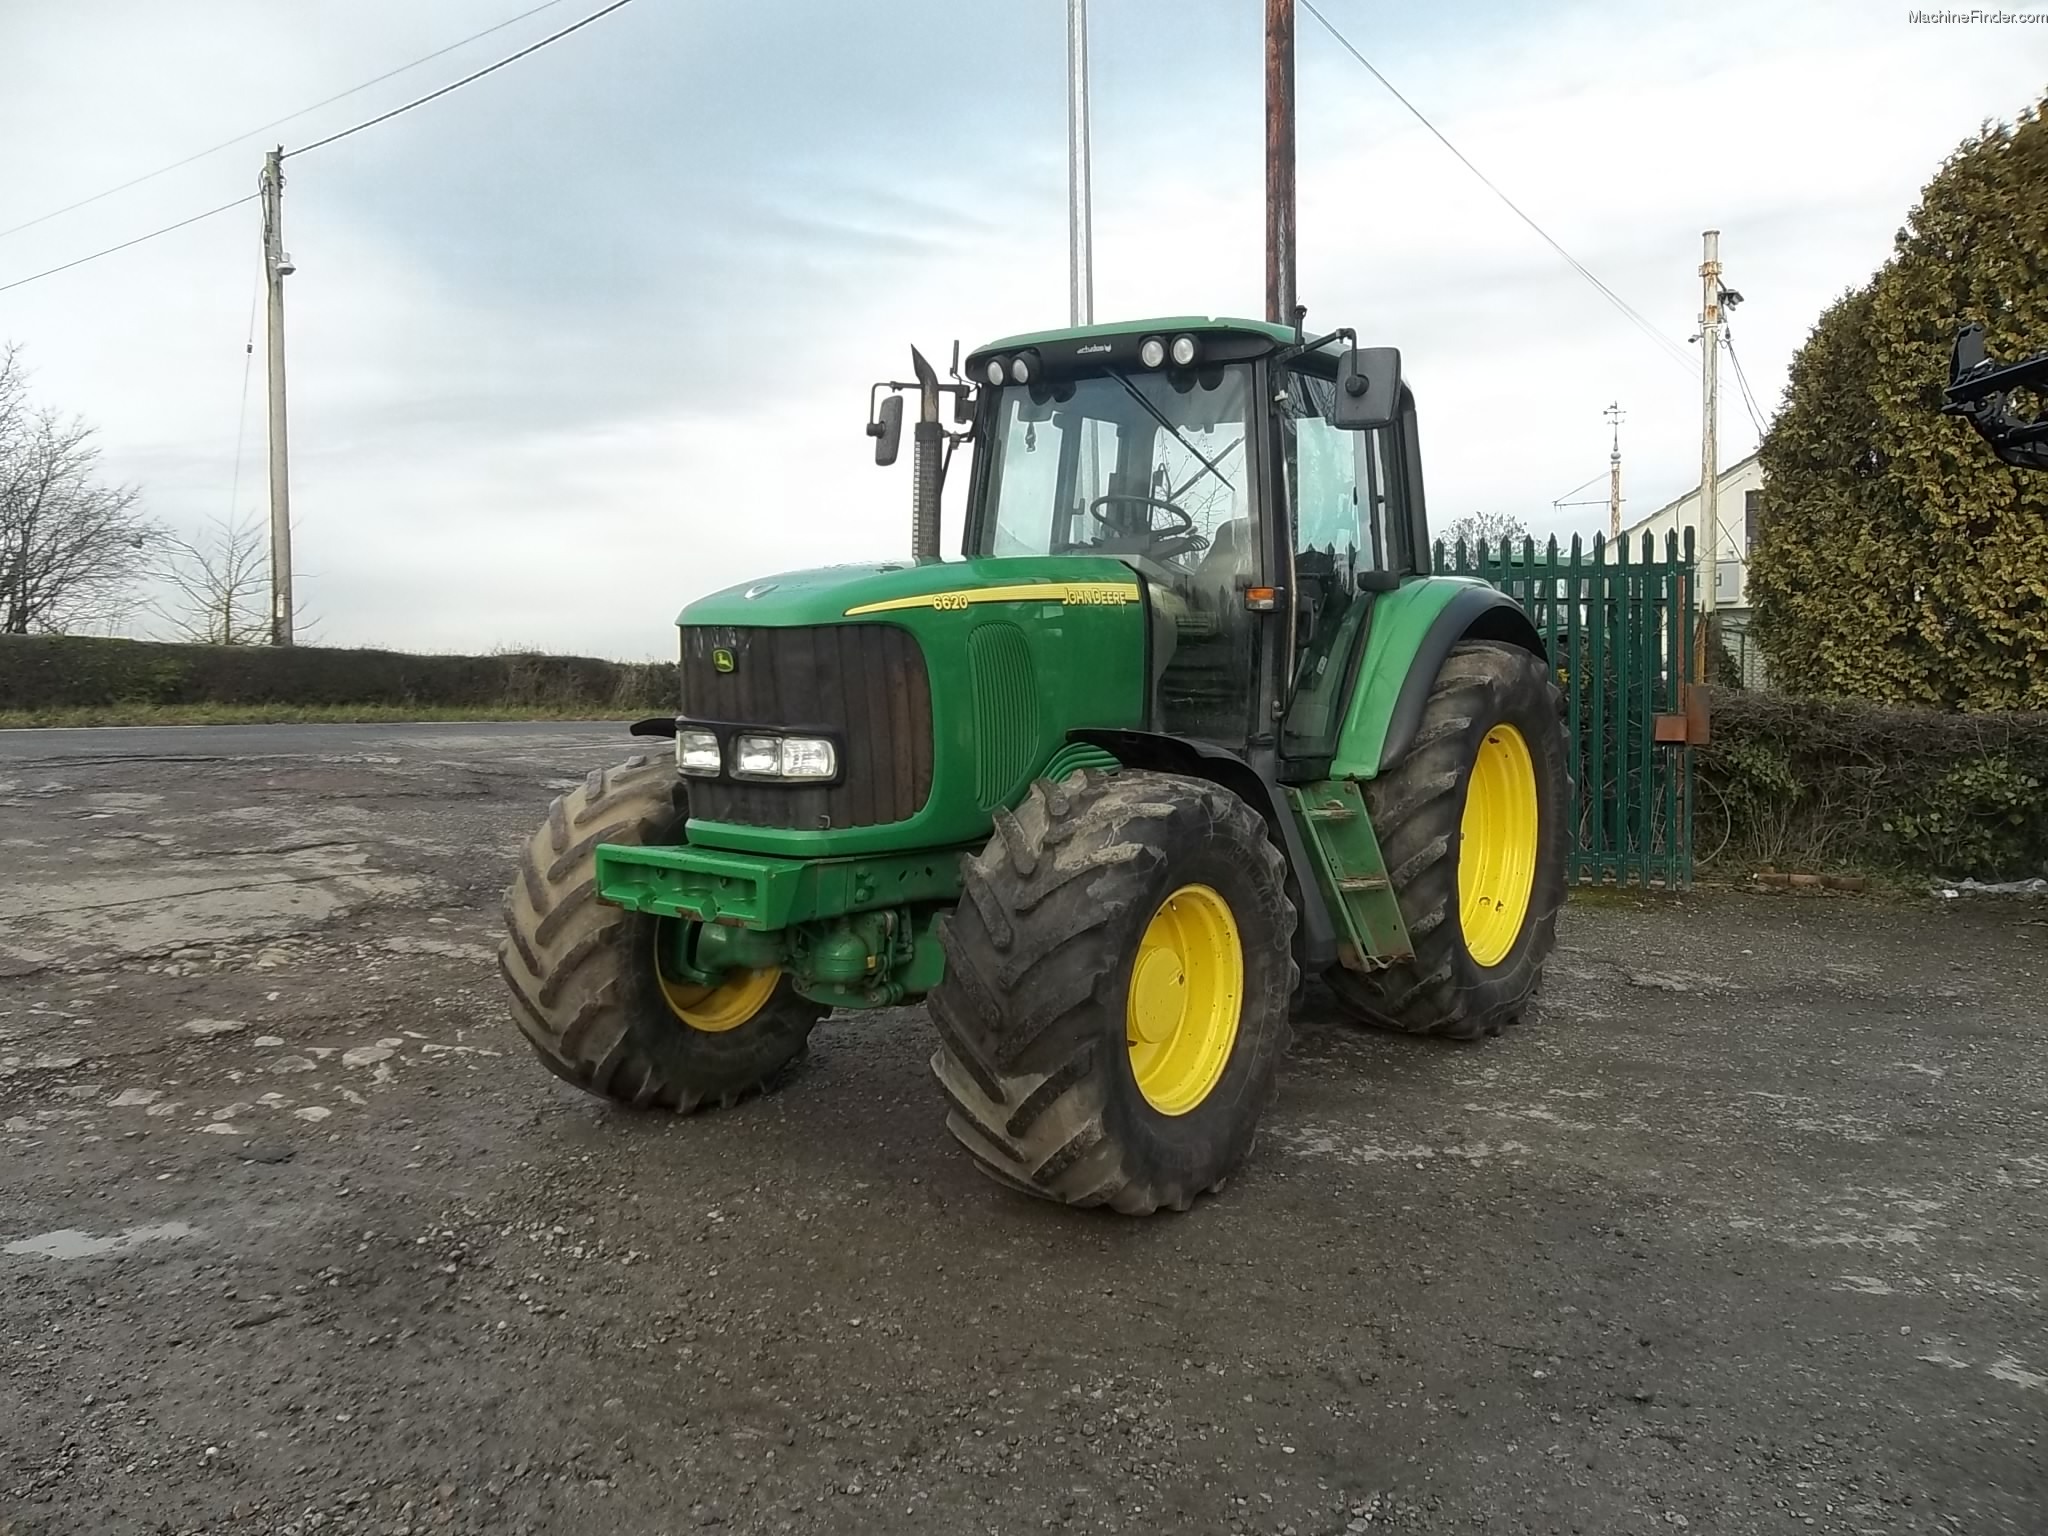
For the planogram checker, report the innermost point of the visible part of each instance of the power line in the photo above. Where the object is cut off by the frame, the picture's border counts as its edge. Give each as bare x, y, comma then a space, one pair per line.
242, 416
331, 138
1671, 348
511, 58
1742, 383
1559, 499
96, 255
289, 117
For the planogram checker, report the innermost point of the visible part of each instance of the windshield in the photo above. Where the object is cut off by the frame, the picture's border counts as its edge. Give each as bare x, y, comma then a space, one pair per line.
1146, 465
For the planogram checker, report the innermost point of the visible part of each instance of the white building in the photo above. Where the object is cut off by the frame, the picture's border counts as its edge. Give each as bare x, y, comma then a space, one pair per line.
1738, 506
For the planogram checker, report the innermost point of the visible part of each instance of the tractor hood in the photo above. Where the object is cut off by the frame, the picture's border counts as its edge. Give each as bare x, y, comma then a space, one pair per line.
835, 593
946, 686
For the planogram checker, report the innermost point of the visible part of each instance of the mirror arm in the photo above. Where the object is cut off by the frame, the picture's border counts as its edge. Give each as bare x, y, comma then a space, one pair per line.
1296, 349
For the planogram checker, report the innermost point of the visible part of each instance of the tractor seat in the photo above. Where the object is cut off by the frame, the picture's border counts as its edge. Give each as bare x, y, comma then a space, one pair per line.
1229, 556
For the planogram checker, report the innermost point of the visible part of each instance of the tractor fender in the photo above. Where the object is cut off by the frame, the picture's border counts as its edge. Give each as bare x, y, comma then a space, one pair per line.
1162, 753
1410, 633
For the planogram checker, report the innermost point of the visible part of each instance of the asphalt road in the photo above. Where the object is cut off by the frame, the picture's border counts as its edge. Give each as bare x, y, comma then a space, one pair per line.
28, 747
1744, 1234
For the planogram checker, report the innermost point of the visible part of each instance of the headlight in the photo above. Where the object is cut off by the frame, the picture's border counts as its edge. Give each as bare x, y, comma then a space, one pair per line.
808, 757
1184, 351
757, 757
697, 753
805, 758
1152, 352
995, 371
1021, 368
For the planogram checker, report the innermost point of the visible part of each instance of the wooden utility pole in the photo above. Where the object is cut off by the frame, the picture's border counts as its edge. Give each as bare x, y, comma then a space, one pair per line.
1613, 414
1280, 301
1080, 236
1710, 467
277, 266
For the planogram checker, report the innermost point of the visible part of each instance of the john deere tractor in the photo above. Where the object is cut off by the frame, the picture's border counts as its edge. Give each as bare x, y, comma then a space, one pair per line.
1188, 722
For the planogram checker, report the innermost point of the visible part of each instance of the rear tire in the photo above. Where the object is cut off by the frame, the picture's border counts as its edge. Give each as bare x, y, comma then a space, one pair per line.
1418, 812
1092, 885
586, 991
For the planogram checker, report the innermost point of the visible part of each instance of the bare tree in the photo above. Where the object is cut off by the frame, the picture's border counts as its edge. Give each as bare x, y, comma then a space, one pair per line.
217, 585
71, 546
1483, 530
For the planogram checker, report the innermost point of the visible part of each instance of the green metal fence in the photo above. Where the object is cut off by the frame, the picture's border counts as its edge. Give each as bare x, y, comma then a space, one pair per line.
1620, 627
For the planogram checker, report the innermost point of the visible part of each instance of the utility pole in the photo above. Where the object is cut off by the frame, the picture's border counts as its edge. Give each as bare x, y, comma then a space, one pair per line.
1080, 234
1280, 302
277, 266
1613, 413
1710, 469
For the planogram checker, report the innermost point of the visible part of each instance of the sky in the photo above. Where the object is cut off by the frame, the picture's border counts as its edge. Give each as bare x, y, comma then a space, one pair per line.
593, 336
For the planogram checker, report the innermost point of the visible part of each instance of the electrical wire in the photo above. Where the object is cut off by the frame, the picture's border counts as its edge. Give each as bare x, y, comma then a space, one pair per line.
289, 117
125, 244
372, 122
1670, 348
1742, 383
242, 418
385, 117
1558, 500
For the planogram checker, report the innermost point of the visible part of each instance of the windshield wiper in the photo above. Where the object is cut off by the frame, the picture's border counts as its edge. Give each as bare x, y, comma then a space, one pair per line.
1155, 413
1181, 490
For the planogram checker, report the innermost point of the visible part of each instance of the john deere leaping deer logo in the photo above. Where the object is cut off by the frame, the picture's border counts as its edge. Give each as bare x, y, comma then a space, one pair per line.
721, 659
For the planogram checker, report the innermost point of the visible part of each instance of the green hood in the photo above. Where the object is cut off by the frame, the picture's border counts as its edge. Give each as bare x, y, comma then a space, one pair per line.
833, 593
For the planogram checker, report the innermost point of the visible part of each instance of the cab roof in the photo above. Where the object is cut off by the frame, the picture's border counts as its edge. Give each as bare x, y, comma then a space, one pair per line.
1115, 344
1167, 324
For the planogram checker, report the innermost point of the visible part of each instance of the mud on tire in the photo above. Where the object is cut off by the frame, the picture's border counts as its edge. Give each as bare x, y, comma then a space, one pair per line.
1417, 812
1031, 1014
585, 992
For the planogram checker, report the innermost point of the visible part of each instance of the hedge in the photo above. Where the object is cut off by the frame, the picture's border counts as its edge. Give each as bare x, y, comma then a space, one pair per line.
74, 671
1814, 784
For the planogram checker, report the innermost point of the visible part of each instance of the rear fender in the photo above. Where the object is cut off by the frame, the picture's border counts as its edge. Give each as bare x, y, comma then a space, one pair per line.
1161, 753
1411, 632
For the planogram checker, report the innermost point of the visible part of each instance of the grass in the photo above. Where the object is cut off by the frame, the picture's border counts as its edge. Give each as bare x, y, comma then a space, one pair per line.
301, 714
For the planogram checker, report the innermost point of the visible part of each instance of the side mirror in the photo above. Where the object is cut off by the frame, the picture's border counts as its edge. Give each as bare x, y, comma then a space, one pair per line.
1368, 388
887, 429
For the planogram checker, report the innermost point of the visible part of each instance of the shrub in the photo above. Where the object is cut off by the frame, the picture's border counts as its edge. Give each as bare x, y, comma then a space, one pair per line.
1822, 783
75, 671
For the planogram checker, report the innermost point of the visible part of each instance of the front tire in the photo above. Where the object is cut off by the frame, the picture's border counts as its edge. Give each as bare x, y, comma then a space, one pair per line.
1472, 827
587, 987
1115, 1001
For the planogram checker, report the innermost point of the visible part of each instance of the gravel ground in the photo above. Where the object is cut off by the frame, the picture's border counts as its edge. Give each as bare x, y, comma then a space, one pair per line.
1745, 1233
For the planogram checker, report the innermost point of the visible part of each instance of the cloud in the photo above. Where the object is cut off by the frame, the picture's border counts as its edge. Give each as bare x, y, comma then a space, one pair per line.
595, 335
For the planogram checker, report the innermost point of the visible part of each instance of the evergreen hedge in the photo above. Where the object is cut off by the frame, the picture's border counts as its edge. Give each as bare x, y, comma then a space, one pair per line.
1818, 785
1897, 560
76, 671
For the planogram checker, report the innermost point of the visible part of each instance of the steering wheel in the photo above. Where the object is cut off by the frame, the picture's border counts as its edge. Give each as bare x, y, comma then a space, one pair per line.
1179, 538
1184, 527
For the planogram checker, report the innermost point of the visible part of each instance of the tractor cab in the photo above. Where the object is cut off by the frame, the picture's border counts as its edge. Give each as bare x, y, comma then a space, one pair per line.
1259, 508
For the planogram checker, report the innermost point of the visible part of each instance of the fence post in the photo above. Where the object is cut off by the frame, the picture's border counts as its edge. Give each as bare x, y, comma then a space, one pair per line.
1574, 683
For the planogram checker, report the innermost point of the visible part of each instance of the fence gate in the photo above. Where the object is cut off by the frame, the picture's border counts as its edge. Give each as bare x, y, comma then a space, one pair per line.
1621, 635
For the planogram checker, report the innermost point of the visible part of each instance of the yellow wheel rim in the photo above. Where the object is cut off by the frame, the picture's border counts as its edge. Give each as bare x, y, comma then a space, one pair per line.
1497, 846
735, 1000
1187, 988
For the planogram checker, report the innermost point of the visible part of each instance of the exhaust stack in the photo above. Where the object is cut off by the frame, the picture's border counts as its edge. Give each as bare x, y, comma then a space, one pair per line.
924, 463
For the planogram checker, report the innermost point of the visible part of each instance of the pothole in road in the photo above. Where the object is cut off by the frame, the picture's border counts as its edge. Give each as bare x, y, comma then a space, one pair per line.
70, 1243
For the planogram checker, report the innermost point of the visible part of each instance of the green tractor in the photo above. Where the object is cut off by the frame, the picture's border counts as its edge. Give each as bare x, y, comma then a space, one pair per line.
1189, 722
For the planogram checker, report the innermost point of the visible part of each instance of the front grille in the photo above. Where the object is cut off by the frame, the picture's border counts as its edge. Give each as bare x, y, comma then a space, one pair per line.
864, 684
1005, 711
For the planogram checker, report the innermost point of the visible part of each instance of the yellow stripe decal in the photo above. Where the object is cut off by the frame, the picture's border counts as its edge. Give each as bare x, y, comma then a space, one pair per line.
1097, 593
